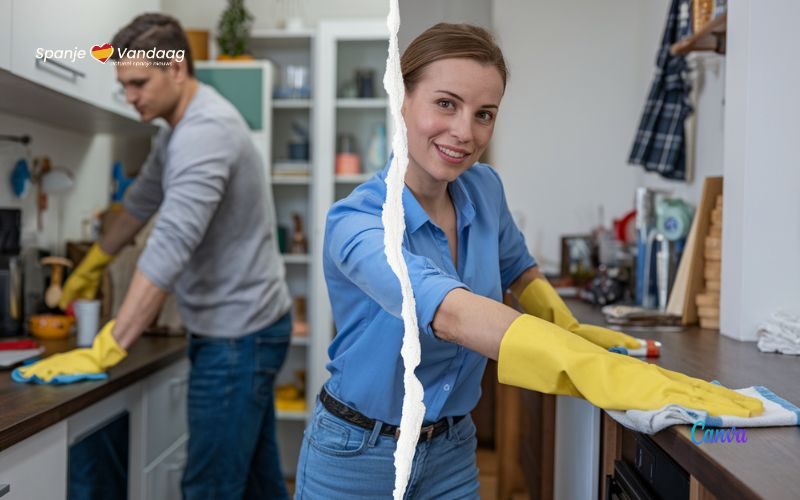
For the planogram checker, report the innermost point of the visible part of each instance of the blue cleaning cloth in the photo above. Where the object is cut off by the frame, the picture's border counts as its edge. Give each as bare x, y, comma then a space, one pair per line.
777, 412
16, 376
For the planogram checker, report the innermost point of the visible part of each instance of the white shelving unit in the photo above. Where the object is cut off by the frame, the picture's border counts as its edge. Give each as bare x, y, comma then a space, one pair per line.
332, 53
340, 47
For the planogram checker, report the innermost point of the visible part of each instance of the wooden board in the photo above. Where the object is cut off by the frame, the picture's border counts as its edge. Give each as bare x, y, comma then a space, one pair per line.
689, 278
707, 298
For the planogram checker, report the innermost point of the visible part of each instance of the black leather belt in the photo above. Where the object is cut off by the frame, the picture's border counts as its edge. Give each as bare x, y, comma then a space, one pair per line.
348, 414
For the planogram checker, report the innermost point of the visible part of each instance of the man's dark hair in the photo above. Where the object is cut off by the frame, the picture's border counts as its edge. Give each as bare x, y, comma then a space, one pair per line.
148, 31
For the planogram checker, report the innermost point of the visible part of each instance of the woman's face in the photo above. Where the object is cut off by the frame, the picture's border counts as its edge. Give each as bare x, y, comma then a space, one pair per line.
450, 117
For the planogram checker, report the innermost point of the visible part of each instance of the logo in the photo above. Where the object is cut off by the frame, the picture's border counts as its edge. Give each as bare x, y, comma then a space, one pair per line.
127, 57
102, 52
718, 435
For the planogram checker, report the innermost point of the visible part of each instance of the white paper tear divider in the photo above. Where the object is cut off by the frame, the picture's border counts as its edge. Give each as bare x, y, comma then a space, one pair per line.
394, 227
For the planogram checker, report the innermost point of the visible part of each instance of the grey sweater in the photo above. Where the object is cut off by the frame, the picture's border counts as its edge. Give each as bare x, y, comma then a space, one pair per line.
214, 241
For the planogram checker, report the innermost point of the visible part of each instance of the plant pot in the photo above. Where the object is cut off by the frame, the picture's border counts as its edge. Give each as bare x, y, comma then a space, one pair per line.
239, 57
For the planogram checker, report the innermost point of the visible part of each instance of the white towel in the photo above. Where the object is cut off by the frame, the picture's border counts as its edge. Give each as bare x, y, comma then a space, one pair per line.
777, 412
780, 333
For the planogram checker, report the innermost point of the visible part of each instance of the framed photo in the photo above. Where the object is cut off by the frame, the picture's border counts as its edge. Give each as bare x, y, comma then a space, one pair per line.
576, 256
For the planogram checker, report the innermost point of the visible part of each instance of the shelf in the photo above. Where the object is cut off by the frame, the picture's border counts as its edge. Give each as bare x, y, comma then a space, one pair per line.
300, 341
365, 103
296, 180
353, 179
258, 34
287, 168
710, 38
291, 103
299, 416
289, 258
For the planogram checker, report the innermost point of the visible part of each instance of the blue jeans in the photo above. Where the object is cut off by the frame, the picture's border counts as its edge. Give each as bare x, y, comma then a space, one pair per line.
340, 460
232, 451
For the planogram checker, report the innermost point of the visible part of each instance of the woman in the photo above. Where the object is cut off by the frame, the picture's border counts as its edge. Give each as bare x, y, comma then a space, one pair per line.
462, 250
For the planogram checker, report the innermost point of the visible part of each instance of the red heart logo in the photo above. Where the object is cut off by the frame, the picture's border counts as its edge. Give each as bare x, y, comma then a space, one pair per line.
102, 52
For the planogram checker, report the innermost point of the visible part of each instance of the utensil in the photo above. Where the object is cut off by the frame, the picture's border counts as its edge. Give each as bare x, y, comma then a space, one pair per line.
53, 294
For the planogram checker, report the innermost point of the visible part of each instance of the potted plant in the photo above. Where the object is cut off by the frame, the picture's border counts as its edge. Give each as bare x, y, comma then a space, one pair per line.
233, 31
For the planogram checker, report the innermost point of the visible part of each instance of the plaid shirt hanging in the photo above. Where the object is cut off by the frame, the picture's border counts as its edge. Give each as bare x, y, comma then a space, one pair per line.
660, 143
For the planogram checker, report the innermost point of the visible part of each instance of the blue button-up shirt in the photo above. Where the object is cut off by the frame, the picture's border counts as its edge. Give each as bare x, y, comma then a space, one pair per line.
366, 367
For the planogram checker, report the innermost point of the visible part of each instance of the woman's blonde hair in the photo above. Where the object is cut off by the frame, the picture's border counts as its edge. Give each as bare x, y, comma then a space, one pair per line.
448, 41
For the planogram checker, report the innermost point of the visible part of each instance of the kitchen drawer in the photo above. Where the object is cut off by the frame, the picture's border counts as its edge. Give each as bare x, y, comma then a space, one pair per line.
165, 408
163, 478
36, 467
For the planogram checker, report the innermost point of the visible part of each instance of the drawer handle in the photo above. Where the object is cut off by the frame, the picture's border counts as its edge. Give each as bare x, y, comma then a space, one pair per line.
119, 95
49, 64
175, 384
178, 465
4, 488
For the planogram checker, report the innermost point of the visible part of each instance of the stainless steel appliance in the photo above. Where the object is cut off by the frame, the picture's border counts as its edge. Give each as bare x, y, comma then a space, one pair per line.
11, 313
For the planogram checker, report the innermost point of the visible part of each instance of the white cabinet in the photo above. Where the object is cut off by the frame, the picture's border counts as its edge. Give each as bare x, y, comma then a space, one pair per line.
163, 477
5, 34
165, 409
36, 467
42, 25
71, 28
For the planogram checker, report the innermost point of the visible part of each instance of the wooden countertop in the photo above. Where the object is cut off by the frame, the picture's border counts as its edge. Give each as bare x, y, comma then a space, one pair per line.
767, 465
26, 409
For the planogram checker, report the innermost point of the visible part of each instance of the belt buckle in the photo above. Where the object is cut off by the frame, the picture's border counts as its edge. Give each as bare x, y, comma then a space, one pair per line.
426, 431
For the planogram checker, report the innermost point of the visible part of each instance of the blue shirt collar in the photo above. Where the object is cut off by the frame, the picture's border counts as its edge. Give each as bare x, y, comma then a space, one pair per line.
416, 216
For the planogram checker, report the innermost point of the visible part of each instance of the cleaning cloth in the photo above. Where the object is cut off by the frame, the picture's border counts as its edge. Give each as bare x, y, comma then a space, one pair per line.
780, 333
777, 412
17, 376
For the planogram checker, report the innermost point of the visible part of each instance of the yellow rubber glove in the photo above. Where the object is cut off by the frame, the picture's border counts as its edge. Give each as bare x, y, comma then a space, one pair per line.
71, 366
541, 300
538, 355
85, 279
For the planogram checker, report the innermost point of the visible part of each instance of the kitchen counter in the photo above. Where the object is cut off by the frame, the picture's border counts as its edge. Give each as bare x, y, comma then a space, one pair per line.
28, 409
764, 467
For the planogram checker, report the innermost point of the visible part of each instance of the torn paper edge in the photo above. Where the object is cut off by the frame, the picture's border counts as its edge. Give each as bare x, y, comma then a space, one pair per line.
393, 219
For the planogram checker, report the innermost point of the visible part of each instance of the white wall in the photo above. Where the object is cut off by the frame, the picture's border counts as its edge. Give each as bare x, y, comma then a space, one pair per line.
580, 73
761, 216
418, 15
89, 156
204, 14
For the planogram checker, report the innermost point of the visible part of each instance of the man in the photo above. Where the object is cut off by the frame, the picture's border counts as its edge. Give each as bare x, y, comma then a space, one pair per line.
213, 244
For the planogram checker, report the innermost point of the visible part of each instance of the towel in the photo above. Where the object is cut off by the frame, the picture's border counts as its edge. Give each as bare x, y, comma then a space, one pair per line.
780, 333
660, 142
777, 412
16, 376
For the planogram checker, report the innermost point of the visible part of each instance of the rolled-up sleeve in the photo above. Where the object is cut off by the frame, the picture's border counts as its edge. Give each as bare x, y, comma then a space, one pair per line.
199, 165
354, 243
514, 255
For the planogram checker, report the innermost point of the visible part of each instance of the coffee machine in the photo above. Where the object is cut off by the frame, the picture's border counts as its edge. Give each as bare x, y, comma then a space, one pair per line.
11, 312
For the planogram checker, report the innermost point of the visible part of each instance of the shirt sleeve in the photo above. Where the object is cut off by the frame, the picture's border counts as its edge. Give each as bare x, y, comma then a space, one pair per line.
354, 244
514, 255
144, 196
196, 176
